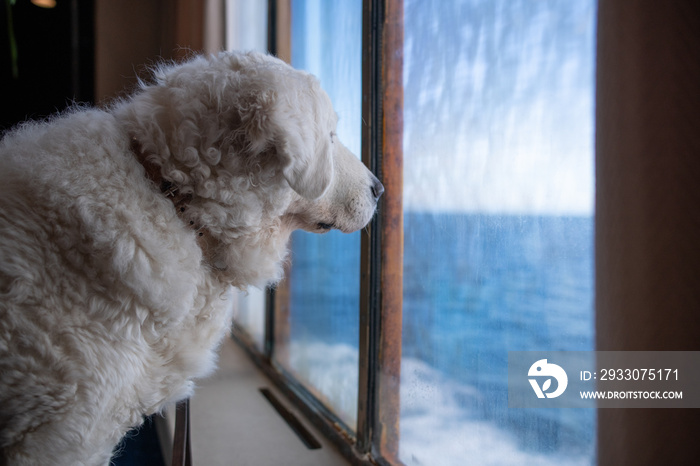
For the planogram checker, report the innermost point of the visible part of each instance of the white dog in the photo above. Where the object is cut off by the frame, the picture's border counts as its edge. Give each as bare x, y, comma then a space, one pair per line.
121, 230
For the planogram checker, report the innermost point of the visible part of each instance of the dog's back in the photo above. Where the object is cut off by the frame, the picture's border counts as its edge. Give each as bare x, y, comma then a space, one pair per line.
96, 273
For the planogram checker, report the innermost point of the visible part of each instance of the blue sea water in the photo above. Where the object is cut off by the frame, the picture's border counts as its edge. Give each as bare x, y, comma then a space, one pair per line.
478, 286
490, 283
475, 287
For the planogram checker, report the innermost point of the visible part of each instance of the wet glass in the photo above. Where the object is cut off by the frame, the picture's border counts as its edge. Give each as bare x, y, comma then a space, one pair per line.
246, 29
498, 219
322, 318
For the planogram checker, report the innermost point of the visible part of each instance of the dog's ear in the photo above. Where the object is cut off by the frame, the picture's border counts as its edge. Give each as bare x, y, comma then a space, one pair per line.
304, 119
307, 159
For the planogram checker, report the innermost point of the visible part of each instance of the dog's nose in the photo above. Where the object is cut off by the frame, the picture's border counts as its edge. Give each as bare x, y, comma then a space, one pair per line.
377, 189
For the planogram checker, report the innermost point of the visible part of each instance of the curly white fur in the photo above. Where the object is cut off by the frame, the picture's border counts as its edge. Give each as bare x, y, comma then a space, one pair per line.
109, 305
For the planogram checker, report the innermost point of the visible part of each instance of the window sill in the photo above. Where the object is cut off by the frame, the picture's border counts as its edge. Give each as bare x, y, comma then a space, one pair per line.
233, 423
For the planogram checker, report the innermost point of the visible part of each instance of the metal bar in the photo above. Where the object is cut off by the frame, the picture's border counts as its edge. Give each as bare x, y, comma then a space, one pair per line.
364, 423
272, 27
182, 454
269, 335
277, 309
369, 245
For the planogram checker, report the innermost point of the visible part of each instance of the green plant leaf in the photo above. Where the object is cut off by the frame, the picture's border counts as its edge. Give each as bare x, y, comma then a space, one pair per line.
13, 41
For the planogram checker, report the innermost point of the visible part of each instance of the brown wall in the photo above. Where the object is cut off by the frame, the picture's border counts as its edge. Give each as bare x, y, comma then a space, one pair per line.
648, 211
132, 34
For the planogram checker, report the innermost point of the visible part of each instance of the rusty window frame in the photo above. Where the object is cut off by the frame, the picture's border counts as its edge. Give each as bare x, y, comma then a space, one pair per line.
376, 439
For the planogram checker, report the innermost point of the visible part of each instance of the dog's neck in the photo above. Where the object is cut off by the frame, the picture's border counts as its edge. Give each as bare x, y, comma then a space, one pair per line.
181, 201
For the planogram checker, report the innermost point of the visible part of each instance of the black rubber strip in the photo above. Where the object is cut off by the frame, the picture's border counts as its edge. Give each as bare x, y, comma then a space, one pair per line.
294, 423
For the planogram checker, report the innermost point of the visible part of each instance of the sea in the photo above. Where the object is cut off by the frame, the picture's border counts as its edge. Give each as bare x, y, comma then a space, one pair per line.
476, 286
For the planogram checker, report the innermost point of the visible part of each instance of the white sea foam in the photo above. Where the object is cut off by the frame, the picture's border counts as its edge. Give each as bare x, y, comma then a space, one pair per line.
332, 370
436, 429
437, 419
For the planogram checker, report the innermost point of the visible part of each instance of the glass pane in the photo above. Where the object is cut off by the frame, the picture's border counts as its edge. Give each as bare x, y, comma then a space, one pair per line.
246, 25
324, 280
249, 314
246, 29
498, 218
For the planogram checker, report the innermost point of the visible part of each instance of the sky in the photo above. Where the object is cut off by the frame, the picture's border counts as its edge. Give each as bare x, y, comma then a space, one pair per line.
498, 99
322, 44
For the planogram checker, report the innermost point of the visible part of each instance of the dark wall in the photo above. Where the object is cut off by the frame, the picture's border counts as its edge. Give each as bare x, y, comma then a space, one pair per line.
55, 58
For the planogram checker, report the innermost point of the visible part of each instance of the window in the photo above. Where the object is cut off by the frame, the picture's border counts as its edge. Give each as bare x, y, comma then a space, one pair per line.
321, 348
478, 117
246, 29
498, 224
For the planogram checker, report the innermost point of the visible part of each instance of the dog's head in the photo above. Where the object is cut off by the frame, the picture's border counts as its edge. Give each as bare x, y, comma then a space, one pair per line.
253, 140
